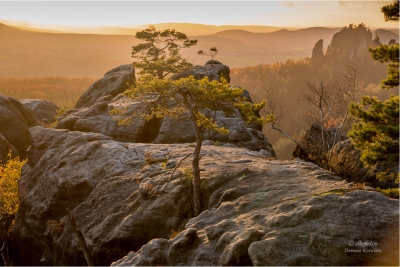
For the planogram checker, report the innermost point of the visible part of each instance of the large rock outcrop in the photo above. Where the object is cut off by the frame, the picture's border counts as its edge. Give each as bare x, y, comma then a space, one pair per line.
213, 69
258, 211
318, 52
349, 45
96, 118
15, 121
346, 163
113, 83
43, 109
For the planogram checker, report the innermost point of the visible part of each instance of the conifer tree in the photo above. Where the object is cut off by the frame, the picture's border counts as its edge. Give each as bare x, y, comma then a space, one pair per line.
159, 55
190, 97
377, 132
212, 52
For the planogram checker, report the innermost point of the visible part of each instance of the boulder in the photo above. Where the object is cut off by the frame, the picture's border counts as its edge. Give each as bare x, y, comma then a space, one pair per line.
43, 109
113, 83
97, 119
312, 142
345, 161
213, 69
257, 211
15, 121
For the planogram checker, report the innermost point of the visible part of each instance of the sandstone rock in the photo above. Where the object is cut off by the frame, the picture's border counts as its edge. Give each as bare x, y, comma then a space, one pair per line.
312, 141
351, 43
284, 213
346, 163
43, 109
113, 83
15, 121
258, 212
392, 42
213, 69
318, 52
96, 118
106, 185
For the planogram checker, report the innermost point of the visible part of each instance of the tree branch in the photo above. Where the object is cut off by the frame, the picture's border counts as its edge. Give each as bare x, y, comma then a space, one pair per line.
80, 237
176, 167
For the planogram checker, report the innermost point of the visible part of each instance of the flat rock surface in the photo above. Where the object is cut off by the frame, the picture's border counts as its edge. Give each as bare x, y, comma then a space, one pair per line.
258, 211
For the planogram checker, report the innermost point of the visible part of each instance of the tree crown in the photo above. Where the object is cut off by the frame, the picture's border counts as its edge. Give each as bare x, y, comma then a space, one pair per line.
212, 52
159, 55
189, 94
391, 11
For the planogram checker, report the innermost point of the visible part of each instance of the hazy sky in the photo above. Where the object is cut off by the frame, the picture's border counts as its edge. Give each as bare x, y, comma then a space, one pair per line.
130, 13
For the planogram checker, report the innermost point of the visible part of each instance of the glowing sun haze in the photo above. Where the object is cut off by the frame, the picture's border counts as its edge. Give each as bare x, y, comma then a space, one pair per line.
132, 13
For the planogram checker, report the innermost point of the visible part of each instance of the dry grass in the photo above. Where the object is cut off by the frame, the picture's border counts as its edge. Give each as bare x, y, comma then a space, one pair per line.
152, 160
174, 234
358, 186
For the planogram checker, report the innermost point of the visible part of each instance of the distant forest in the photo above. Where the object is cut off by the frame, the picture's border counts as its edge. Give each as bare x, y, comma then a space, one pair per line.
59, 90
35, 54
287, 81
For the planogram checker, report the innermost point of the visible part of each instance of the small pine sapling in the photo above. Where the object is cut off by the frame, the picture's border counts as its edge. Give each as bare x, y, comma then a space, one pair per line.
212, 52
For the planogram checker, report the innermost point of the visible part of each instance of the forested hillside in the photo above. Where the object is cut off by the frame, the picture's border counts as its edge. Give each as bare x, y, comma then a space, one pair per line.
288, 81
59, 90
26, 53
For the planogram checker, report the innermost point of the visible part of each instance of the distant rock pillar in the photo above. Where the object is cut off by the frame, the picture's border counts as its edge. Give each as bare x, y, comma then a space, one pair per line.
317, 52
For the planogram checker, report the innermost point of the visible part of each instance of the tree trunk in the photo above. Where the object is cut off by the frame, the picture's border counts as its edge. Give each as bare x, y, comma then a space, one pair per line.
80, 237
197, 198
160, 74
196, 170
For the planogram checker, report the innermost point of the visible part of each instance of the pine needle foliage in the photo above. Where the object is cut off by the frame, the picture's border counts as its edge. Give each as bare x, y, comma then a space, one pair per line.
189, 95
10, 173
376, 134
391, 11
388, 54
158, 55
212, 52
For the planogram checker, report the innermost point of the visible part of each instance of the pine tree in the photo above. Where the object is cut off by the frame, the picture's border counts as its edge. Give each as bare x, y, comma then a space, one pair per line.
388, 54
212, 52
159, 55
191, 97
376, 134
